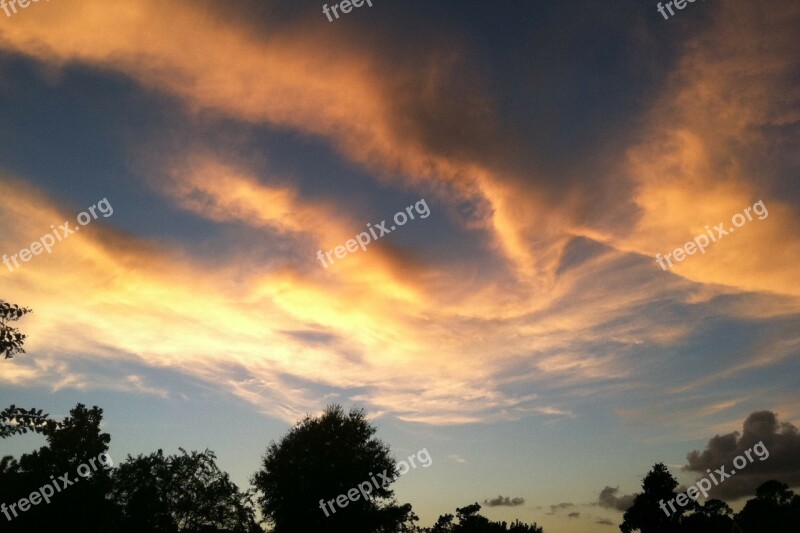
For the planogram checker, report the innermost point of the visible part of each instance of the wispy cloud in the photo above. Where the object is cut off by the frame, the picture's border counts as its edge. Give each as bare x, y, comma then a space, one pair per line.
571, 302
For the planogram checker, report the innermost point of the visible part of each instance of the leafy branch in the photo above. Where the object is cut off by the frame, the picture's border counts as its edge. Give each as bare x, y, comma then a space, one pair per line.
11, 339
16, 420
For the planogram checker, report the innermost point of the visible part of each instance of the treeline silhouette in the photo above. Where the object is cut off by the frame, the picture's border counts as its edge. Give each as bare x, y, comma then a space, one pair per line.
319, 459
775, 509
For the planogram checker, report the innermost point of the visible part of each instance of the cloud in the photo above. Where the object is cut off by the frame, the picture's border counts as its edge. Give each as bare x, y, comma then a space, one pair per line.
608, 498
574, 514
559, 507
285, 340
781, 440
604, 522
681, 172
567, 299
502, 501
392, 115
280, 338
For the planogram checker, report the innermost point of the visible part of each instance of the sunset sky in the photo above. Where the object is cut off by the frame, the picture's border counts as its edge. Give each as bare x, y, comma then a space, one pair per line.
523, 332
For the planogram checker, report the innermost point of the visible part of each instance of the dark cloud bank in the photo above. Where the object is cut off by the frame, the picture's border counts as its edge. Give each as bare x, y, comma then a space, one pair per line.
782, 441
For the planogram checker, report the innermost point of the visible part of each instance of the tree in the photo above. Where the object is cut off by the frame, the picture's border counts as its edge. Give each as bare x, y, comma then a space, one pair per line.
322, 459
443, 525
775, 508
141, 489
11, 339
180, 493
72, 445
520, 527
74, 441
15, 420
469, 521
713, 517
646, 514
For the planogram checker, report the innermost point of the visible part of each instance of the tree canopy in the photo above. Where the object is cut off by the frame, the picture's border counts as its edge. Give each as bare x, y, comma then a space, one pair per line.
180, 493
77, 440
469, 521
321, 459
657, 486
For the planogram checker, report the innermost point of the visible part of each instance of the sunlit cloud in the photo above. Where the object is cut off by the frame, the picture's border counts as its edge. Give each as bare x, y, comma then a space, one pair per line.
701, 159
289, 335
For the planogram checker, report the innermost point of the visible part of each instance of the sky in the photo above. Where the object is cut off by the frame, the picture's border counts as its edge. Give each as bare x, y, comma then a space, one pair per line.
525, 327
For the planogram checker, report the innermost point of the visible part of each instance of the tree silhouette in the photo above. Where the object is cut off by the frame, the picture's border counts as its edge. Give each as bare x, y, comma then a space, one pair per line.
443, 525
469, 521
713, 517
180, 493
142, 489
646, 515
775, 509
82, 504
11, 339
321, 459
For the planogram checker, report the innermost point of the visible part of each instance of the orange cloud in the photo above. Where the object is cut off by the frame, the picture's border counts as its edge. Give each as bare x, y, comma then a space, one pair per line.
130, 300
453, 337
698, 162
